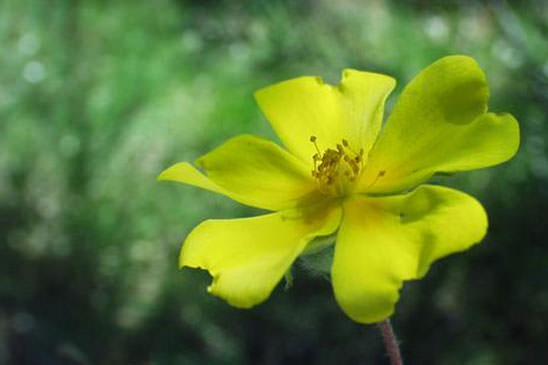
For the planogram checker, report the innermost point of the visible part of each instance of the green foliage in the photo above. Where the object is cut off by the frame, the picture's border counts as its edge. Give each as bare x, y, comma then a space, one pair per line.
97, 97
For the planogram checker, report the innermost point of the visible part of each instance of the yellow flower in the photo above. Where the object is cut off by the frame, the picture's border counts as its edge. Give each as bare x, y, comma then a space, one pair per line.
340, 174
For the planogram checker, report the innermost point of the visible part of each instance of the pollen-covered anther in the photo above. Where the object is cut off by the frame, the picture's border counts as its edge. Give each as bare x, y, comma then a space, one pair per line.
335, 168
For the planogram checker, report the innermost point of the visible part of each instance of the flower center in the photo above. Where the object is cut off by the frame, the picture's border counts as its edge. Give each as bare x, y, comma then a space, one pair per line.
337, 169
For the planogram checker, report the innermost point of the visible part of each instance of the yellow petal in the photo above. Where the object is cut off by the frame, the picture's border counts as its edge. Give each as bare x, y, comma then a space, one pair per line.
248, 257
260, 170
252, 171
306, 106
185, 173
386, 240
439, 124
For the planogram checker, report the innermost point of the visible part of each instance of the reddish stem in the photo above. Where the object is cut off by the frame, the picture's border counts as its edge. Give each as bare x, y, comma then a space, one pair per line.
390, 342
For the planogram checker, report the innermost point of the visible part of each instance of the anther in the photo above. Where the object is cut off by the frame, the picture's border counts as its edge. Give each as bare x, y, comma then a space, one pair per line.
345, 142
313, 139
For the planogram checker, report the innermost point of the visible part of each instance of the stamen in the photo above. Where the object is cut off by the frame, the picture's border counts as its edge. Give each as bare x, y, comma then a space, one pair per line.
379, 175
313, 140
334, 168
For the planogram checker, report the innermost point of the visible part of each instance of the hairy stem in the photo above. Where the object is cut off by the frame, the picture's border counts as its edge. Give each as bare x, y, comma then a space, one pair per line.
390, 342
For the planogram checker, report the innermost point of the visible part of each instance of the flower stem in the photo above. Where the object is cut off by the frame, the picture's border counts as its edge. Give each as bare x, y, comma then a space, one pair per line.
390, 342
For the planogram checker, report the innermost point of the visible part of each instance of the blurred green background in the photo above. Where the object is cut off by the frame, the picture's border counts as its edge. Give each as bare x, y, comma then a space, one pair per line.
97, 97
